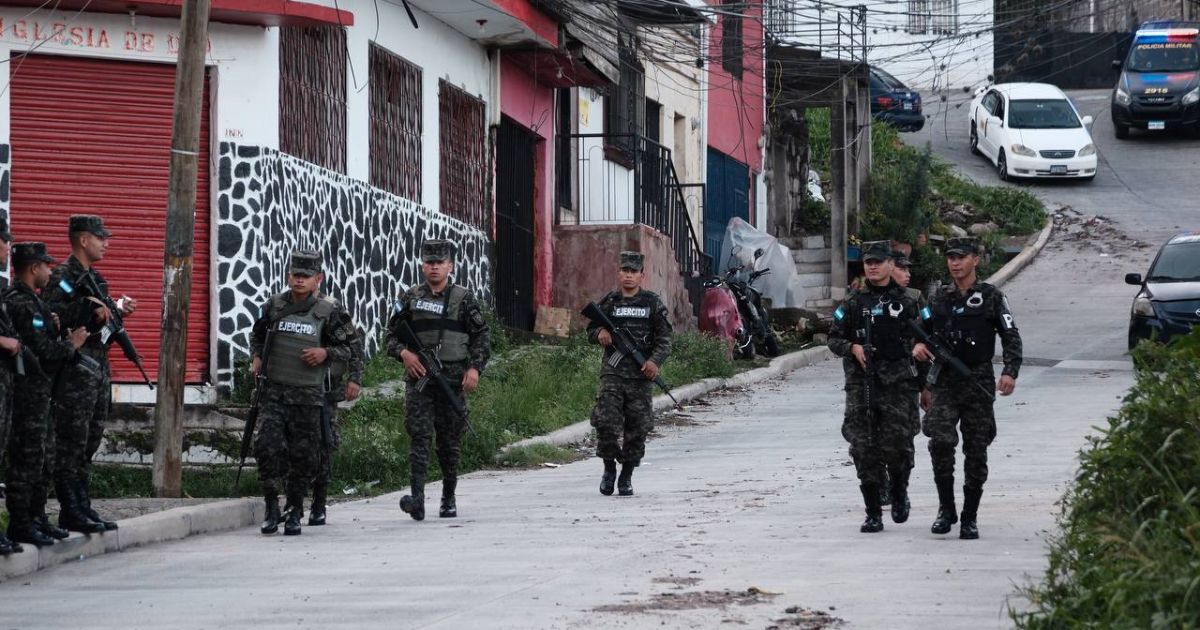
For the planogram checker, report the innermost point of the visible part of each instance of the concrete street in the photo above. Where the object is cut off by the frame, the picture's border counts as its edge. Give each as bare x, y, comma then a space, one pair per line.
751, 491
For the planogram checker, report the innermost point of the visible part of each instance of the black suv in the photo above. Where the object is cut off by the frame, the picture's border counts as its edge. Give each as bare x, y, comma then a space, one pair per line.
1169, 302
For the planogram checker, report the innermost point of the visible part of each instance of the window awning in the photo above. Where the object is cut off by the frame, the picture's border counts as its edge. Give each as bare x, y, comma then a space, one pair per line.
248, 12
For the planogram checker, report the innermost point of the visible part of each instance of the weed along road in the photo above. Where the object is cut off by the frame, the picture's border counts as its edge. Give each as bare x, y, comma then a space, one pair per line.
746, 508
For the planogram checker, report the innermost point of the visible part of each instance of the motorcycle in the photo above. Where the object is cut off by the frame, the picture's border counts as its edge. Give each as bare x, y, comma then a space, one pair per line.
750, 306
732, 309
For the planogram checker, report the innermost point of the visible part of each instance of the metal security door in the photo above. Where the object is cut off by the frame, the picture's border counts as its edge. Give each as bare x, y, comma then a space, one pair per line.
727, 196
515, 156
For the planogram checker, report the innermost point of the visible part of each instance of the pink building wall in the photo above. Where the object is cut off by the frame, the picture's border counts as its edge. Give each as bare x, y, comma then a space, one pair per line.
736, 108
531, 105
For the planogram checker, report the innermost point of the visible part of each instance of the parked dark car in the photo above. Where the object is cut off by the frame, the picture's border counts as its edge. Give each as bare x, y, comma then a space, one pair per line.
892, 102
1169, 303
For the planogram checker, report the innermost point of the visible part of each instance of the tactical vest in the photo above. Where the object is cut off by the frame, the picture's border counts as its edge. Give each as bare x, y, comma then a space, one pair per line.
971, 329
635, 316
888, 312
291, 336
430, 314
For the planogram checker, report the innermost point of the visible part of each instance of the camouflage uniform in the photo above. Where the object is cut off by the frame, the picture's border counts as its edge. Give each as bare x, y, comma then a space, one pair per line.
623, 415
967, 323
881, 444
340, 373
31, 446
451, 324
288, 446
82, 408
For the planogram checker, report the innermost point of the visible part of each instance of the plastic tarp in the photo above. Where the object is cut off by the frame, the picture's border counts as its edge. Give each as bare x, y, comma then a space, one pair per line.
782, 285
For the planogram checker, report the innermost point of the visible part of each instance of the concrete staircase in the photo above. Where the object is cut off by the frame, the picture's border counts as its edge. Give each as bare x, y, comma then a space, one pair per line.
812, 256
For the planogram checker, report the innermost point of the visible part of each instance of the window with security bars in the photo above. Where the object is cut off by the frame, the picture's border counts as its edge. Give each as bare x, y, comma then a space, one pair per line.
312, 95
463, 151
395, 142
918, 17
624, 116
944, 17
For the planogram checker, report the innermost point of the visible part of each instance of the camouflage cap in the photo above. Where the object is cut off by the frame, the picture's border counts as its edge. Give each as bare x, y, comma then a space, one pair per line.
876, 250
305, 262
962, 246
5, 235
436, 250
633, 260
25, 254
88, 223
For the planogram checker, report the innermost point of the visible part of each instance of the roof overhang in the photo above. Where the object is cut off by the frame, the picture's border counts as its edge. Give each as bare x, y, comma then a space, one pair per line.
246, 12
499, 23
559, 68
664, 12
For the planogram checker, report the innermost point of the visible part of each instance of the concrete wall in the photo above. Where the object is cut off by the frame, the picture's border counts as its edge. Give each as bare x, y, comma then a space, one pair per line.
736, 106
585, 260
679, 87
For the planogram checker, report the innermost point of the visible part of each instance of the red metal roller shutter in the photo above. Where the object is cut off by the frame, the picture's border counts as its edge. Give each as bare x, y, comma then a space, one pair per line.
94, 137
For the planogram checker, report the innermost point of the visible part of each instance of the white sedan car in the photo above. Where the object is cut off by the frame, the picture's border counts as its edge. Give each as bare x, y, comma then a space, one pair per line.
1032, 130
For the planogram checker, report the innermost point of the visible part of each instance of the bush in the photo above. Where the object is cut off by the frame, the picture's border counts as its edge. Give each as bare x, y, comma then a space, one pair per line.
1128, 555
898, 206
1016, 211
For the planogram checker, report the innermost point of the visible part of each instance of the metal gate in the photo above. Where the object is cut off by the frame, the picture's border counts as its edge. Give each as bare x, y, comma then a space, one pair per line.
515, 157
727, 196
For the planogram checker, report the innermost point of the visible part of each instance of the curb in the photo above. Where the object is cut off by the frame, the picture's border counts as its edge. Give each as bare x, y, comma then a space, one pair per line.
172, 524
779, 366
1022, 260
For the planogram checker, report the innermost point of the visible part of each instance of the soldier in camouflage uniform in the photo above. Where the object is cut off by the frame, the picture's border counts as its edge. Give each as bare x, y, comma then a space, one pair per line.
966, 316
881, 435
902, 274
624, 415
81, 410
343, 382
10, 349
31, 443
448, 321
298, 335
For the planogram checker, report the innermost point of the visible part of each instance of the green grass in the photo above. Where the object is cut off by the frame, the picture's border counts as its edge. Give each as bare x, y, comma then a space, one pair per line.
535, 455
1128, 551
112, 480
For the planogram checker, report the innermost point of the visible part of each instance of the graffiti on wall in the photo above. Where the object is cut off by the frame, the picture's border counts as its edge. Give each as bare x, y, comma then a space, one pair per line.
269, 203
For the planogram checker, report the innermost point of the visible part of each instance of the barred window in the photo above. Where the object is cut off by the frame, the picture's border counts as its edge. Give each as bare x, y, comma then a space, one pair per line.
624, 116
463, 151
918, 17
312, 95
395, 124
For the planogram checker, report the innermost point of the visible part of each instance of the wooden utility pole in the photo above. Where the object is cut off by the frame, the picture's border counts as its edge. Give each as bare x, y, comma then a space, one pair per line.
177, 259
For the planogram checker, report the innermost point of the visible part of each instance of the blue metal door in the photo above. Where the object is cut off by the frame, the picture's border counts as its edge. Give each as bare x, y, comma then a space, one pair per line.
728, 196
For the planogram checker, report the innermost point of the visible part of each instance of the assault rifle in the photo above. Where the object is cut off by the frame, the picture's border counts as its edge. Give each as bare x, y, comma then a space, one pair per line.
943, 354
433, 372
624, 344
117, 323
260, 382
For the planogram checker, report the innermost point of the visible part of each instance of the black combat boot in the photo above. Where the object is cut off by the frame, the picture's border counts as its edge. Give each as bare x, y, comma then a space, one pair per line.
294, 511
609, 478
947, 514
270, 524
448, 509
969, 530
70, 517
43, 524
85, 505
874, 520
316, 512
414, 504
900, 504
625, 481
8, 547
22, 530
